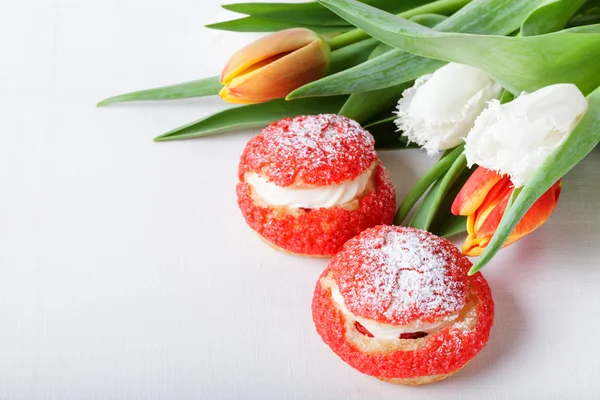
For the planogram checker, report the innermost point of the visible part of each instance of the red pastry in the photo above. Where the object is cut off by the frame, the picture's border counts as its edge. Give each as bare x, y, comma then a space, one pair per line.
308, 184
396, 303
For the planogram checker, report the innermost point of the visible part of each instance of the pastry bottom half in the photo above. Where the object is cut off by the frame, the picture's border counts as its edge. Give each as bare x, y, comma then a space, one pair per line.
320, 232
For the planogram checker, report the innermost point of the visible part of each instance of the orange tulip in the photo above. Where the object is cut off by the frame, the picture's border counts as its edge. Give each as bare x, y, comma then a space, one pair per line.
274, 66
483, 199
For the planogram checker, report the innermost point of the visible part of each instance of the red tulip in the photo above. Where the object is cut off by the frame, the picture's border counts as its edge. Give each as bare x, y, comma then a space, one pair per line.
483, 199
274, 66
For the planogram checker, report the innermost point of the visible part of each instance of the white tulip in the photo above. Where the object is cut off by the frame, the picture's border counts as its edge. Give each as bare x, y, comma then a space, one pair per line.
516, 138
438, 112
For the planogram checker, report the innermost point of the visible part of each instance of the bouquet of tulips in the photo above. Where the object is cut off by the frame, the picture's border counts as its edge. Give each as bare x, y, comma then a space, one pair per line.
508, 91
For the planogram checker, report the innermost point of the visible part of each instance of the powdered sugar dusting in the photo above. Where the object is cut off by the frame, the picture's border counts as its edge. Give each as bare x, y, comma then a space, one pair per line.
317, 150
398, 275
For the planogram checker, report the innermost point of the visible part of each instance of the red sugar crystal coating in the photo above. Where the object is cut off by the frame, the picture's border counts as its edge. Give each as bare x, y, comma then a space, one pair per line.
320, 231
445, 351
398, 275
316, 149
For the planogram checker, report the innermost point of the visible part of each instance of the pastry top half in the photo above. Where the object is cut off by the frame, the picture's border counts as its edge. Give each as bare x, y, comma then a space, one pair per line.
309, 151
395, 281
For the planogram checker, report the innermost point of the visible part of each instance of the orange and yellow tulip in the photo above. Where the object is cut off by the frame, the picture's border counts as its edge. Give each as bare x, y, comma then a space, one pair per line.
483, 199
274, 66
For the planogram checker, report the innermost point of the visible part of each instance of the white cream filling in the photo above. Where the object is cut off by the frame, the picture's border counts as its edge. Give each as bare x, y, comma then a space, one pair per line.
383, 331
296, 196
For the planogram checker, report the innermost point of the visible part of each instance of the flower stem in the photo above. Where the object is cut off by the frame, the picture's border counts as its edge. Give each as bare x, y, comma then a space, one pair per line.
444, 7
436, 172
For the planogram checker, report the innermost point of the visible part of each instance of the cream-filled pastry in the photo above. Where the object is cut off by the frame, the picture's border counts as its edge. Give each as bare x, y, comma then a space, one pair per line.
310, 183
396, 303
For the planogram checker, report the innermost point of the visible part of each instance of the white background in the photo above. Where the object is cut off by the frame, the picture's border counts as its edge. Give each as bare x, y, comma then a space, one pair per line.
127, 271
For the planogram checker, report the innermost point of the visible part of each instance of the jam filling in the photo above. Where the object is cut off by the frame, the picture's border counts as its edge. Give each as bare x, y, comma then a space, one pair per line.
362, 329
413, 335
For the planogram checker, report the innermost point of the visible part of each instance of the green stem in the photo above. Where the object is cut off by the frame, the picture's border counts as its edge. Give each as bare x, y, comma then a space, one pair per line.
445, 7
457, 168
440, 168
453, 226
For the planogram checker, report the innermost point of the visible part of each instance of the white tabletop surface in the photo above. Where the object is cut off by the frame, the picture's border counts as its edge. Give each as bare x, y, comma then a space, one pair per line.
126, 268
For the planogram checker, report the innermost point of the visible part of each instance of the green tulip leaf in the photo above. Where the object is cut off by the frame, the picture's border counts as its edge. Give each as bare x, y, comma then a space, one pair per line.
444, 7
380, 50
444, 222
200, 88
390, 69
252, 116
313, 13
363, 107
453, 226
433, 175
588, 14
579, 143
382, 121
550, 17
457, 168
257, 24
506, 97
444, 212
429, 20
388, 138
517, 63
422, 215
349, 56
303, 13
495, 17
435, 210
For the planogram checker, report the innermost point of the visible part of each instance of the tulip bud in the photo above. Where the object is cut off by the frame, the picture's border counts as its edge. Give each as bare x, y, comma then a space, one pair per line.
274, 66
438, 112
484, 198
516, 138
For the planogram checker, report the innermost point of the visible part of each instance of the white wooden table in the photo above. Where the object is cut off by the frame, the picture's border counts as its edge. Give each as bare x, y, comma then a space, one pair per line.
127, 271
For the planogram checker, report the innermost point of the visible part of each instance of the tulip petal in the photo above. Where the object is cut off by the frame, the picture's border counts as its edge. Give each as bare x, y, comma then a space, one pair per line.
474, 192
235, 98
440, 109
537, 215
516, 138
472, 247
488, 218
484, 221
278, 78
278, 43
